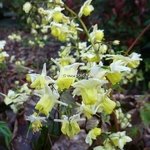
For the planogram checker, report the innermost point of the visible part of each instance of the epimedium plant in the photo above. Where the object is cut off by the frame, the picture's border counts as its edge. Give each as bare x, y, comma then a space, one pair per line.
123, 20
86, 69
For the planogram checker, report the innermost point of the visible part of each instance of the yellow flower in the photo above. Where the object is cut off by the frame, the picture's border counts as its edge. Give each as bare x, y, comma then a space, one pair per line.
3, 55
64, 61
39, 81
2, 44
55, 31
57, 1
112, 72
114, 77
90, 56
97, 71
54, 14
70, 126
85, 109
62, 36
57, 16
132, 61
88, 66
86, 9
64, 31
88, 89
102, 48
107, 146
123, 120
116, 42
92, 135
36, 121
15, 100
36, 125
48, 100
97, 35
24, 88
14, 37
119, 139
60, 31
9, 97
67, 75
65, 50
135, 60
27, 7
104, 103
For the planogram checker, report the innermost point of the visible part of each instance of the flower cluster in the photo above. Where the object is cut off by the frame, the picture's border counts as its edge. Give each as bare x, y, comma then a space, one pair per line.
123, 120
3, 54
92, 95
118, 139
14, 37
16, 99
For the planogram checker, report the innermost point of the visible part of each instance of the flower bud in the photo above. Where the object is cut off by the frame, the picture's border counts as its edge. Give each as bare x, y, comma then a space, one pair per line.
116, 42
129, 116
27, 7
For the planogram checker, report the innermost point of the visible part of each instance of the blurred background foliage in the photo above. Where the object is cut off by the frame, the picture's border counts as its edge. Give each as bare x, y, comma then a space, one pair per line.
123, 20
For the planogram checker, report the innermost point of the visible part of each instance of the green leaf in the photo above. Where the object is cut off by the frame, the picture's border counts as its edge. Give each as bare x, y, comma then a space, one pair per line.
144, 113
124, 48
3, 66
133, 132
6, 133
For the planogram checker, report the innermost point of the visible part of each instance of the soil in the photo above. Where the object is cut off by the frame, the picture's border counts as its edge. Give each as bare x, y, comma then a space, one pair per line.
32, 57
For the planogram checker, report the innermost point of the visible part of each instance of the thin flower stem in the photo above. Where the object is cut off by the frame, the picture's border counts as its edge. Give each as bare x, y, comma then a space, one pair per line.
50, 140
45, 142
116, 122
84, 27
114, 115
137, 40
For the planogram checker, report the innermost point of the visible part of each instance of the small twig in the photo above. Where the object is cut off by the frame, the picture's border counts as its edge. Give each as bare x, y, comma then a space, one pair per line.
137, 40
50, 140
45, 142
114, 115
116, 121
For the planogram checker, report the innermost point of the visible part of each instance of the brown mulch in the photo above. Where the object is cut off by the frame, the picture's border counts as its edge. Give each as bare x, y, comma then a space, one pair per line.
34, 57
